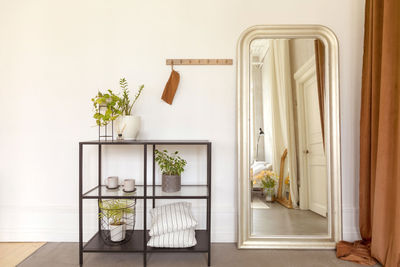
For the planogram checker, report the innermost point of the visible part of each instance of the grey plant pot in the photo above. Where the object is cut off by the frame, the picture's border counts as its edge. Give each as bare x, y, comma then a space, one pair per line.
171, 183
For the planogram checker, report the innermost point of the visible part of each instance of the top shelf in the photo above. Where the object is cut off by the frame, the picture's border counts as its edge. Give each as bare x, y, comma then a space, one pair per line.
146, 142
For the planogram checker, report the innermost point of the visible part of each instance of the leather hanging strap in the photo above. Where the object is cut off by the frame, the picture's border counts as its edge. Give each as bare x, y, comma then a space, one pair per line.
171, 87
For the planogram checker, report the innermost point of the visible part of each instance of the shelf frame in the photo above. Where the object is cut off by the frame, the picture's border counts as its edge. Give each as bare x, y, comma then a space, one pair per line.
202, 236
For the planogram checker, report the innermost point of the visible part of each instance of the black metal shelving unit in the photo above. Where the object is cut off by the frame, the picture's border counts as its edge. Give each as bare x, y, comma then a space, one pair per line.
138, 242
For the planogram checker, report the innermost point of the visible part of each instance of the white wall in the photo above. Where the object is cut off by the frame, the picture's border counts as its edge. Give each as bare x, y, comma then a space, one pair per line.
55, 55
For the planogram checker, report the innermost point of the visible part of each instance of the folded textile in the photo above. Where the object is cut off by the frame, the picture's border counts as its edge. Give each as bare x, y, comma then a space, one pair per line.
170, 88
359, 252
179, 239
171, 218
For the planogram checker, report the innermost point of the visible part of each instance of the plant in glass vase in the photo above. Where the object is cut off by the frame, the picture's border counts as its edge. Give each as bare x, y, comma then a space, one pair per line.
268, 181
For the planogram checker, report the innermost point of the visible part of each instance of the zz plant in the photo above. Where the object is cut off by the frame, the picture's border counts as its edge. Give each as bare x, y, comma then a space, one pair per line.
170, 164
125, 104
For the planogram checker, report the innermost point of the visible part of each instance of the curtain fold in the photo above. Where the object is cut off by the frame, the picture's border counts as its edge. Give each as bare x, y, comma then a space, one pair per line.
320, 69
267, 116
278, 138
279, 81
380, 132
257, 120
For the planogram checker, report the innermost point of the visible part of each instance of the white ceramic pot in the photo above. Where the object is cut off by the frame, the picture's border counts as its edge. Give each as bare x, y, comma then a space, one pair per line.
132, 126
117, 232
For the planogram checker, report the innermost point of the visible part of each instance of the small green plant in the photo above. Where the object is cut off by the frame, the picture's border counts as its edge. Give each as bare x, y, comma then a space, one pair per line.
115, 209
108, 102
170, 164
268, 183
125, 104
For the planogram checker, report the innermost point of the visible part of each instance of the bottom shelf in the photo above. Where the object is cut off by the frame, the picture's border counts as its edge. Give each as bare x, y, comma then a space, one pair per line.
96, 244
135, 244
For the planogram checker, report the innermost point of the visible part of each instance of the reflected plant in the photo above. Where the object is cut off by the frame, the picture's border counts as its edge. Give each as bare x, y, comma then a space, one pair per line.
268, 179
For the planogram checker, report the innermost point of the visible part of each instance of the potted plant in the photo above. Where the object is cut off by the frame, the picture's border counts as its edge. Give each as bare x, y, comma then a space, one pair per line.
268, 183
172, 166
115, 211
130, 124
105, 107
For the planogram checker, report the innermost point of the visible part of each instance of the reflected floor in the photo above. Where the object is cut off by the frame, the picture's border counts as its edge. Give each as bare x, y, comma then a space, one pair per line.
278, 220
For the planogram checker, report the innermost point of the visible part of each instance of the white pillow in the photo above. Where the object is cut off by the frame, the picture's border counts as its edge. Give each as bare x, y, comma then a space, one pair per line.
179, 239
171, 218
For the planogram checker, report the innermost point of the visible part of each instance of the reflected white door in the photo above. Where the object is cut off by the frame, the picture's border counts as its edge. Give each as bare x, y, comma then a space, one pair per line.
314, 150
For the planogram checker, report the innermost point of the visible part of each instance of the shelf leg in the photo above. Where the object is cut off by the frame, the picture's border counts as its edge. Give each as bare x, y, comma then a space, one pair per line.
80, 207
145, 207
99, 184
209, 201
154, 176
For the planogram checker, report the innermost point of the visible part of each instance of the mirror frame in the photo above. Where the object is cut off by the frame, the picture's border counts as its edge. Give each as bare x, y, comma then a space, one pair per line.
332, 139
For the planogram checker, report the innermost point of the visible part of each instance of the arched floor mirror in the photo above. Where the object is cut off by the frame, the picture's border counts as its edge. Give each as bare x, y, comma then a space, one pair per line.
288, 138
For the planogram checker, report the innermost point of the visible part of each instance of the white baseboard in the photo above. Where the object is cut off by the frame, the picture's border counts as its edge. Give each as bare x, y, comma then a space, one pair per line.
60, 224
350, 223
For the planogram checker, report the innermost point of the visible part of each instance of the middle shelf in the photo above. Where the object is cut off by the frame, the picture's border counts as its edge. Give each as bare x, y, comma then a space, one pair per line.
187, 191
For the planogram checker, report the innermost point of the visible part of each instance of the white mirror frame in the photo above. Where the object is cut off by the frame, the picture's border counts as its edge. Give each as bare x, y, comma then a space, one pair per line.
332, 139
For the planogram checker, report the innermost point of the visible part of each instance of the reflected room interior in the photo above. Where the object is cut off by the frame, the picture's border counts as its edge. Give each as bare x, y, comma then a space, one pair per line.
288, 175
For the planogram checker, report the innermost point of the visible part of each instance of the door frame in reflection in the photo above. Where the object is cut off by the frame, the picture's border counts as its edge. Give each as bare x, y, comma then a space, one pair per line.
305, 75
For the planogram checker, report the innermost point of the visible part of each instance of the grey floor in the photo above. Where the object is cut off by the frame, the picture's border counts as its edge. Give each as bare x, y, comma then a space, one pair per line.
279, 220
223, 254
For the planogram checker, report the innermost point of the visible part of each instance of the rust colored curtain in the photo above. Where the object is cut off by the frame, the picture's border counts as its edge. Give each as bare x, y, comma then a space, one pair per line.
320, 65
380, 132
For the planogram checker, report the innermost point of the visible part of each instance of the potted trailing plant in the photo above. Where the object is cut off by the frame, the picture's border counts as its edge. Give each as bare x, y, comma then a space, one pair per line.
105, 107
128, 123
114, 212
268, 183
172, 166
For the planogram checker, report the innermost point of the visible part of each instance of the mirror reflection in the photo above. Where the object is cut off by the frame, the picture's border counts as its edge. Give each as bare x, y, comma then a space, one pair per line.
288, 176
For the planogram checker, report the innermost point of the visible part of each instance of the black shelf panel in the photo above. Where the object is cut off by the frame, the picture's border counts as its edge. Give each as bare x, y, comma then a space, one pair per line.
96, 244
186, 192
201, 246
135, 244
145, 142
104, 192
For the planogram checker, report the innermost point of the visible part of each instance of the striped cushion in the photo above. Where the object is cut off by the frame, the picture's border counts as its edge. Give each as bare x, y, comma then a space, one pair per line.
171, 218
179, 239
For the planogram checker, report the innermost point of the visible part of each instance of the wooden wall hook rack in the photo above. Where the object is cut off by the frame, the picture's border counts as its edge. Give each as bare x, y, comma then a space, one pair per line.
199, 62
